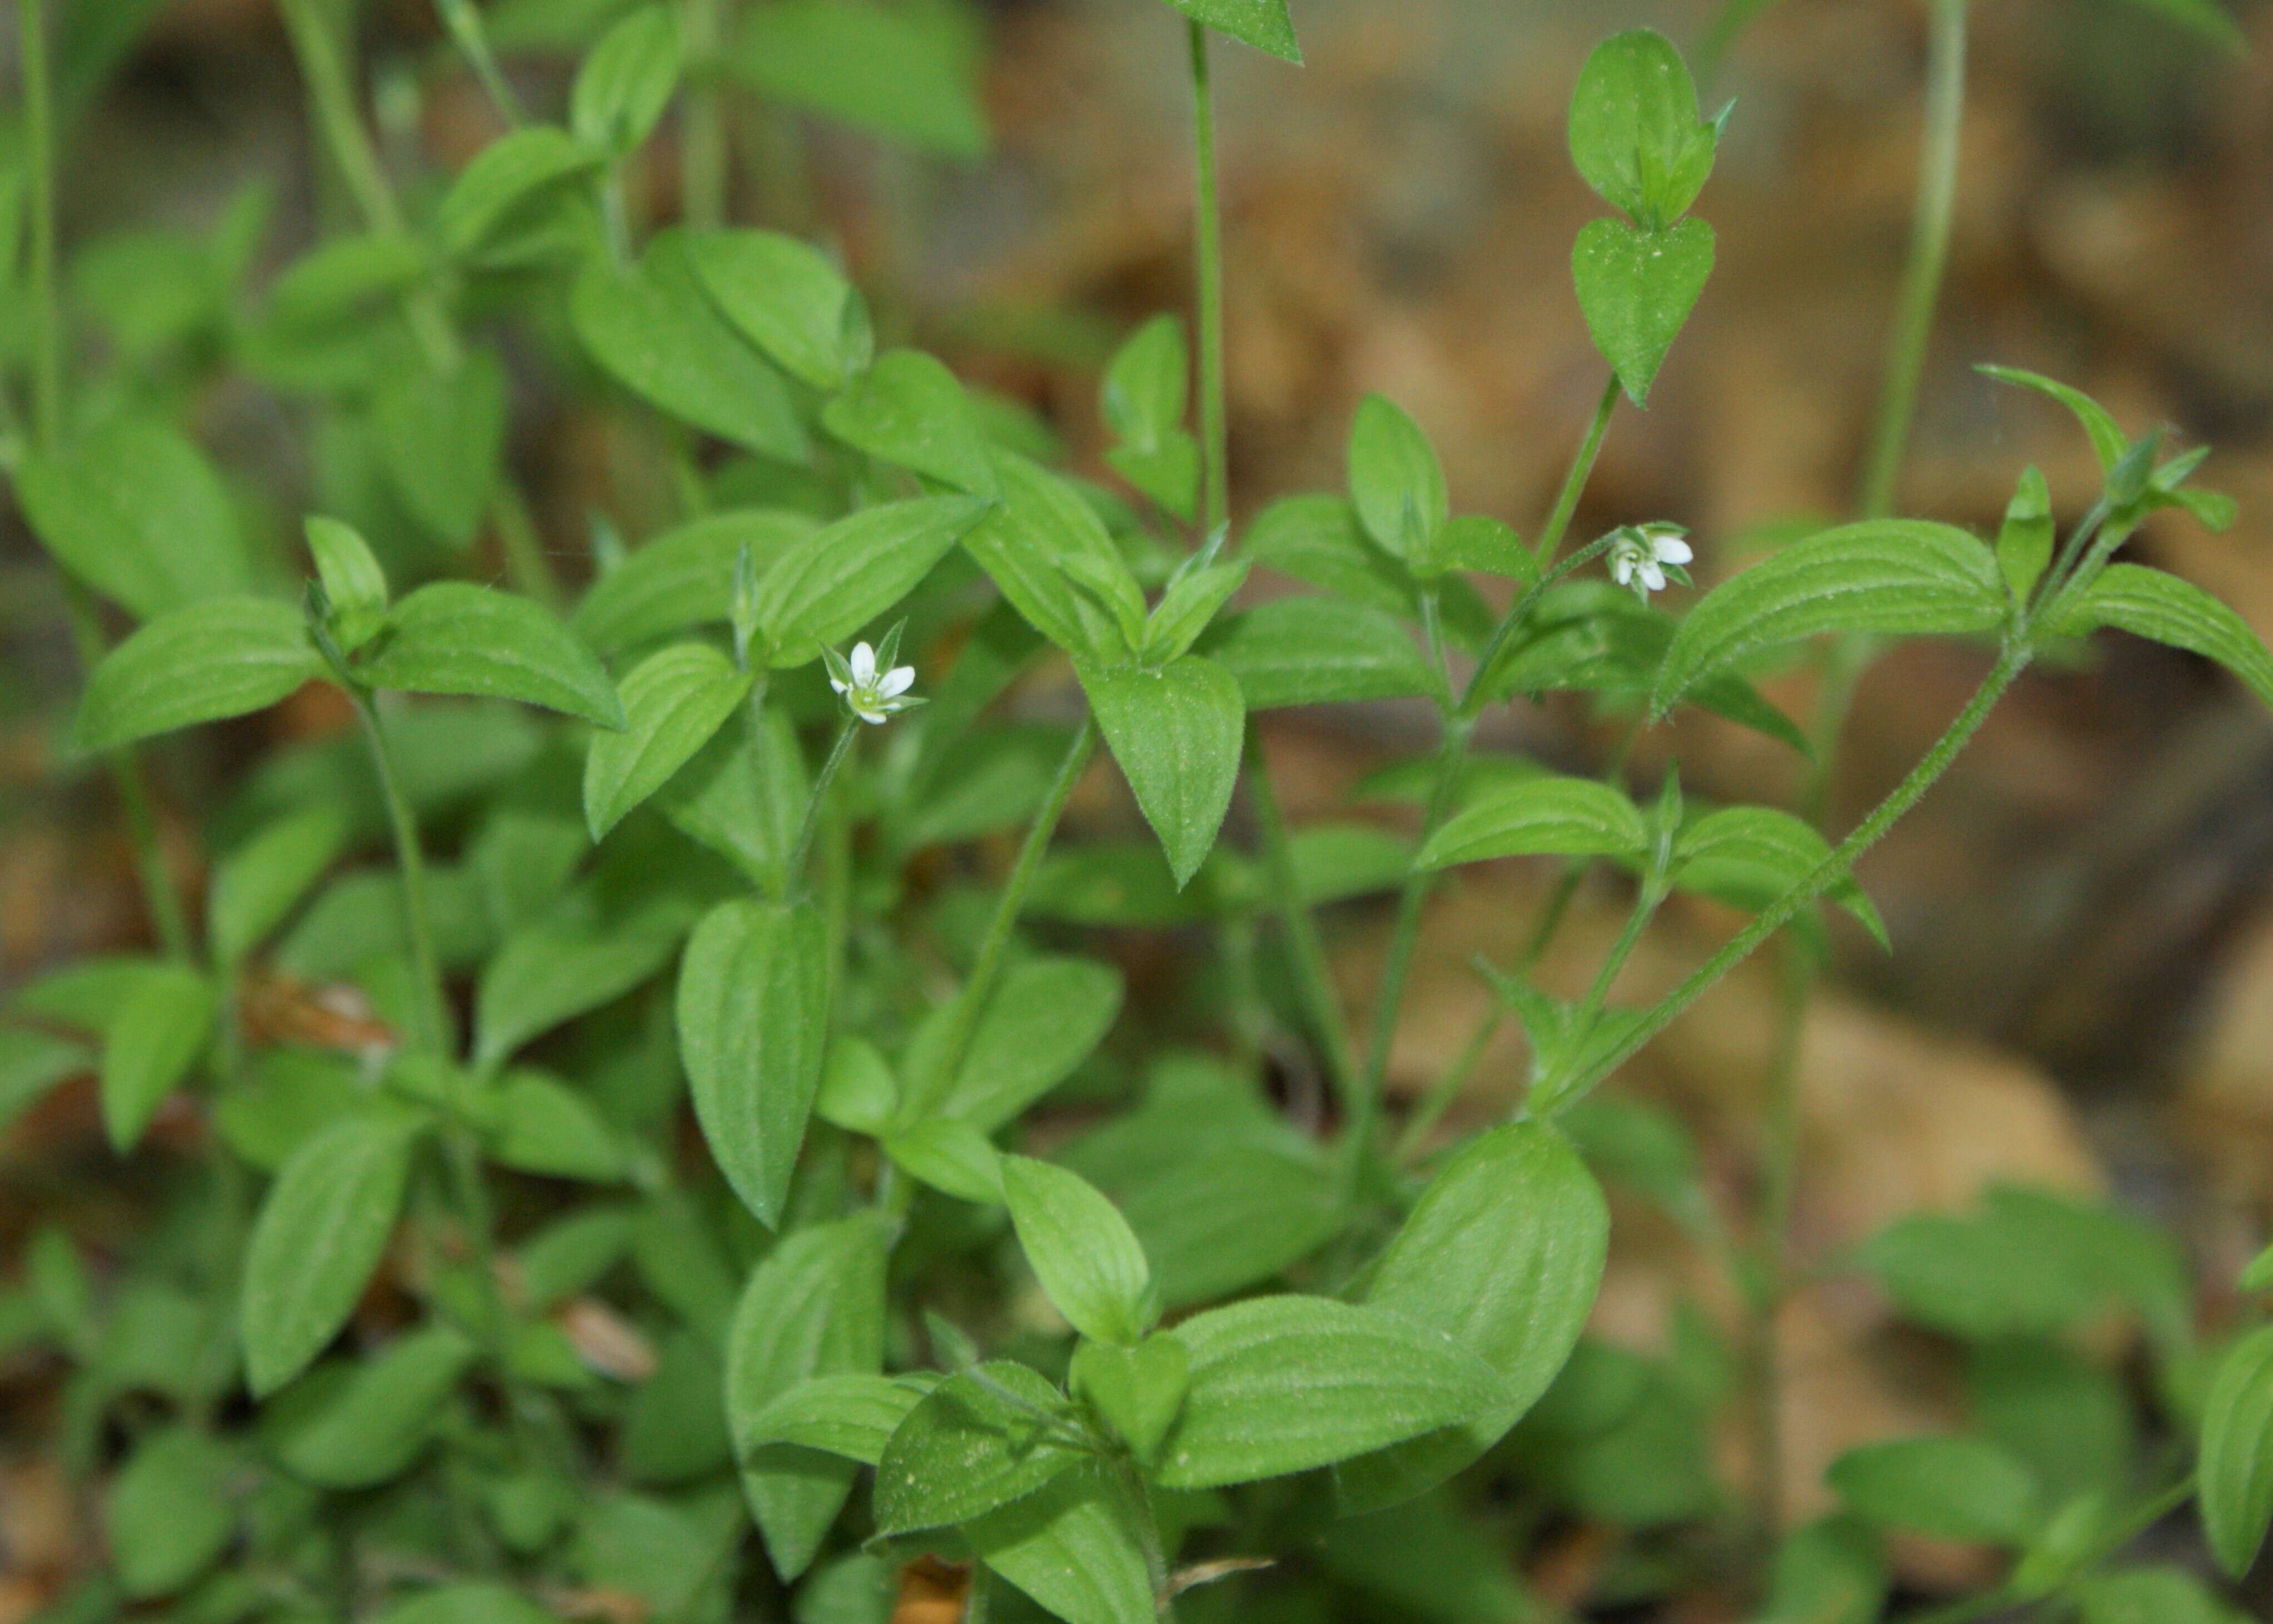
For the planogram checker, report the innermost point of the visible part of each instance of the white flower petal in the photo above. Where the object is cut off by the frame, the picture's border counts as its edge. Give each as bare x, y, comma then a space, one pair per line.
1621, 568
1652, 578
839, 687
1672, 550
896, 681
863, 662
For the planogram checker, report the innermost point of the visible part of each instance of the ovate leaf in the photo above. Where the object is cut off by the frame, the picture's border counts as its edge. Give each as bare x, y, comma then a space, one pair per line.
1262, 23
440, 434
1025, 544
1177, 733
908, 408
150, 1044
2160, 606
558, 965
897, 72
1503, 1253
1045, 1017
453, 638
169, 1512
1634, 133
814, 1308
204, 662
508, 174
1283, 1384
1953, 1488
319, 1237
1898, 576
753, 1031
654, 330
981, 1439
2236, 1473
830, 584
673, 701
1396, 484
136, 512
1075, 1546
789, 301
383, 1416
256, 885
1542, 815
683, 578
851, 1415
1748, 856
1315, 651
1636, 290
627, 82
1082, 1251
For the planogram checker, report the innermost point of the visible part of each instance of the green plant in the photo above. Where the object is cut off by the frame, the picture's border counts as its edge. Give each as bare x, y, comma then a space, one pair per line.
669, 843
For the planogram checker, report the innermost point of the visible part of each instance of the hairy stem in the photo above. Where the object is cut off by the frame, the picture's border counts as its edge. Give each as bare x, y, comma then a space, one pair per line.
1866, 834
1214, 435
1581, 470
986, 968
1929, 254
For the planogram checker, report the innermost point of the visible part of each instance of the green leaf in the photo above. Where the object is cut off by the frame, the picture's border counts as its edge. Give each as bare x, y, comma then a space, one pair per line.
851, 1415
1951, 1488
1075, 1546
908, 408
453, 638
2152, 1596
1283, 1384
136, 512
901, 72
1262, 23
2024, 542
1044, 1018
1187, 608
830, 584
952, 1157
1177, 733
1476, 541
684, 578
1502, 1252
1315, 651
653, 329
753, 1032
204, 662
1231, 1214
1897, 576
1636, 290
979, 1440
1544, 815
814, 1308
2236, 1471
1748, 856
507, 176
1830, 1572
1147, 387
743, 801
1634, 133
627, 81
2204, 17
319, 1234
1396, 484
169, 1512
2108, 440
542, 1126
31, 1063
337, 279
150, 1044
440, 436
383, 1416
1024, 545
354, 583
558, 966
2159, 606
788, 300
263, 880
469, 1602
1317, 538
1082, 1249
1138, 1390
673, 701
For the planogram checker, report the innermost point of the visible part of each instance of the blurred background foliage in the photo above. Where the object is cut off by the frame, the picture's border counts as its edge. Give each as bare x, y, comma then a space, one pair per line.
2081, 990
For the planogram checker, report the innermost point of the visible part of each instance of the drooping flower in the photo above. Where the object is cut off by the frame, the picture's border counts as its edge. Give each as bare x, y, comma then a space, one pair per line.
873, 695
1644, 557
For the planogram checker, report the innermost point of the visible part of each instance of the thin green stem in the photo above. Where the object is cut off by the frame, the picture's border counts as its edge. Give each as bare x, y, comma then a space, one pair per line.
1644, 909
1929, 255
473, 41
1447, 1087
357, 159
1313, 981
47, 421
1479, 691
1575, 477
525, 563
703, 155
986, 966
2010, 663
1214, 447
410, 859
801, 854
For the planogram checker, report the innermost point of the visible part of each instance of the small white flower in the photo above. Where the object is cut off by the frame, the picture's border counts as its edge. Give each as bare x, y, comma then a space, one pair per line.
871, 694
1640, 555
